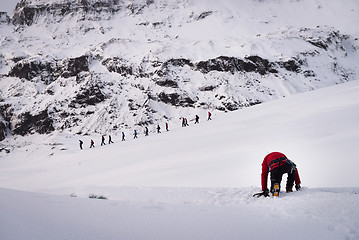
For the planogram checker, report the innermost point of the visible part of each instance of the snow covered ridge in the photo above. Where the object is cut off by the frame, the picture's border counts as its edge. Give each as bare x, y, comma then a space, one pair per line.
195, 182
29, 12
101, 66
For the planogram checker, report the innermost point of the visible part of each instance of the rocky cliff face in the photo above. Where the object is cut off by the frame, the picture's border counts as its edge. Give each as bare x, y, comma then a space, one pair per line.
31, 12
101, 66
4, 18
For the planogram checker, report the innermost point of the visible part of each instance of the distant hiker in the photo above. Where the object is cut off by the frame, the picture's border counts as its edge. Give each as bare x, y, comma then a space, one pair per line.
158, 129
209, 116
123, 136
197, 119
167, 127
103, 141
92, 144
186, 122
134, 134
277, 164
183, 122
81, 143
109, 139
146, 131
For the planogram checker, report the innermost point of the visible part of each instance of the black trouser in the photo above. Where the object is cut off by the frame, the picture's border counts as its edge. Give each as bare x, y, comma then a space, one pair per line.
277, 173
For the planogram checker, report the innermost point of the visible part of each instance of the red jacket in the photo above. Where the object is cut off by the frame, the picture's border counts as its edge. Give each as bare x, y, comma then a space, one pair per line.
281, 159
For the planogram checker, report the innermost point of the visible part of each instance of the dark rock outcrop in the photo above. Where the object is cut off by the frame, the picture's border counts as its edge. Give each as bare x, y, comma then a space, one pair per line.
291, 65
4, 18
2, 130
88, 96
225, 64
49, 71
119, 66
166, 66
262, 66
27, 123
28, 14
204, 15
232, 65
207, 88
167, 83
176, 99
6, 112
334, 38
31, 68
73, 66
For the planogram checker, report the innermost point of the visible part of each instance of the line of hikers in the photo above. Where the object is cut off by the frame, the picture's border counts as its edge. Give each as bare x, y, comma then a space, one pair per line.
185, 122
146, 132
92, 143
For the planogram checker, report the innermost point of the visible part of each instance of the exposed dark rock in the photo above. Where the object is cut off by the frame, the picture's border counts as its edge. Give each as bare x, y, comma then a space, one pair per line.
207, 88
228, 64
179, 62
221, 108
64, 114
118, 65
167, 83
176, 100
292, 65
27, 14
319, 44
334, 38
133, 106
156, 24
2, 131
221, 64
49, 71
30, 68
204, 15
254, 102
27, 123
263, 66
6, 112
5, 150
16, 59
88, 96
309, 73
231, 106
232, 65
4, 18
73, 66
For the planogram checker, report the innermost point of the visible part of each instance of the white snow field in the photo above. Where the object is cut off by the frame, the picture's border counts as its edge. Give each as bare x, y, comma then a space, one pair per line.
195, 182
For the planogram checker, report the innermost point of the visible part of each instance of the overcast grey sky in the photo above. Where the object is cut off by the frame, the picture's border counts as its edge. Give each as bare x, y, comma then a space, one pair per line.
8, 6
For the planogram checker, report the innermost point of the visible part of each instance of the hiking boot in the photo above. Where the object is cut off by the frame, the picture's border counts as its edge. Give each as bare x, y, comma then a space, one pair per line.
276, 190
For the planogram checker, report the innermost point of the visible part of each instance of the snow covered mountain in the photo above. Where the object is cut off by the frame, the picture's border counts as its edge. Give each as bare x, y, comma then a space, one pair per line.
73, 70
90, 67
195, 182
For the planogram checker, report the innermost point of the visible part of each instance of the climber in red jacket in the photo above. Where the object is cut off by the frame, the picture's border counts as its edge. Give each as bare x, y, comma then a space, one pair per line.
277, 164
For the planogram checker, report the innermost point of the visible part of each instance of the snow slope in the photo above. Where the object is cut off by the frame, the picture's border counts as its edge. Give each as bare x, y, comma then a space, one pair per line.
195, 182
330, 214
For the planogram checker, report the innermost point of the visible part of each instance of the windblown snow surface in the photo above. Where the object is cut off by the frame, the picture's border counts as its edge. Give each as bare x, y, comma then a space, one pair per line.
195, 182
